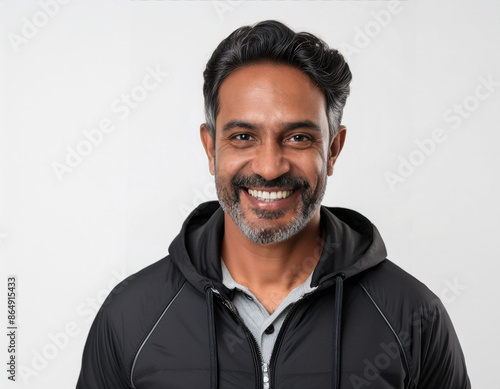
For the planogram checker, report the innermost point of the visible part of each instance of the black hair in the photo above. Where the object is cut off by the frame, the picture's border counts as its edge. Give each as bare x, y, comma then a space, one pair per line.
272, 41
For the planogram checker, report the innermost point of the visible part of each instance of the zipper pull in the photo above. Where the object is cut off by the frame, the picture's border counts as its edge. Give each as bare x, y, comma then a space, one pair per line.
225, 301
215, 291
265, 375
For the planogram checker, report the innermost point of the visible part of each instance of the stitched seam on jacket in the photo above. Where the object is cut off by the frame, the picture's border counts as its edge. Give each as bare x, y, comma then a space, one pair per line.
149, 334
391, 328
98, 354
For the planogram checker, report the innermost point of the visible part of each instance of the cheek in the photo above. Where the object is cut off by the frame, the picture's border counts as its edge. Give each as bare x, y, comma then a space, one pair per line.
229, 163
312, 164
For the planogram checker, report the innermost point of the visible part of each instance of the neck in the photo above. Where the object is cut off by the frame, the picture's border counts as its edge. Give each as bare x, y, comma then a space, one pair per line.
271, 271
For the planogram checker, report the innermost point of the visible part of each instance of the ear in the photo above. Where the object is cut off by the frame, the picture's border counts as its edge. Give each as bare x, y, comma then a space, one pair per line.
208, 144
336, 148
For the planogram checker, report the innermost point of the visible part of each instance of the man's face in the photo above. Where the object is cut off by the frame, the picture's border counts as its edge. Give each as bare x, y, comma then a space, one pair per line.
272, 153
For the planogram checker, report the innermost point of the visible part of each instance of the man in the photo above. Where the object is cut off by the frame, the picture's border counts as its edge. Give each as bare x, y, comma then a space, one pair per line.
270, 289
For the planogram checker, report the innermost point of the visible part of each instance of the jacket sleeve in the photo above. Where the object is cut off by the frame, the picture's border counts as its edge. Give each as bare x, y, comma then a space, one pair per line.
442, 359
102, 366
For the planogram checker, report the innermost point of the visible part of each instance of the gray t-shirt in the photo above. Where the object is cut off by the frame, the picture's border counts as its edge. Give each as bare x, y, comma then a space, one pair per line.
263, 326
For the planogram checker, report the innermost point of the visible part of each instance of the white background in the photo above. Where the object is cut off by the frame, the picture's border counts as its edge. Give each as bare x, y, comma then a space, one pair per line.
70, 238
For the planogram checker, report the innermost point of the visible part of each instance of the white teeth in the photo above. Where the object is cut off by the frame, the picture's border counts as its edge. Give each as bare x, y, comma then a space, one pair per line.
269, 196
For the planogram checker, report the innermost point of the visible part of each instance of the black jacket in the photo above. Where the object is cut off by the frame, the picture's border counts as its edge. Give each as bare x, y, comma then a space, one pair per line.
369, 324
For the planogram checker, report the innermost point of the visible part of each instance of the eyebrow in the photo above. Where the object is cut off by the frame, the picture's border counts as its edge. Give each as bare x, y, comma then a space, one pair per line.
236, 123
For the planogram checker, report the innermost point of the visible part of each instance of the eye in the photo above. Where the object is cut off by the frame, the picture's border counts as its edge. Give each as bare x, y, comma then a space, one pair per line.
300, 138
243, 137
300, 141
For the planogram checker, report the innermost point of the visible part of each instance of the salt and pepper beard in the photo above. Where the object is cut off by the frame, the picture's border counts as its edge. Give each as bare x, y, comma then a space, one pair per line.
231, 204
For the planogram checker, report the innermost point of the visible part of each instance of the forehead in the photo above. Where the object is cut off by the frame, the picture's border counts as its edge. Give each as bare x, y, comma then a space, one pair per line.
272, 94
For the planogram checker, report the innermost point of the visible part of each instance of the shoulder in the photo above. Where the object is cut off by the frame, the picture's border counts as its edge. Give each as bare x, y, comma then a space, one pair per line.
406, 303
412, 311
123, 322
388, 284
135, 304
147, 290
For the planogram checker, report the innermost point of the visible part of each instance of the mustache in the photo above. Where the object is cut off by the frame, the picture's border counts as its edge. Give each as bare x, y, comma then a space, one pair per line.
284, 181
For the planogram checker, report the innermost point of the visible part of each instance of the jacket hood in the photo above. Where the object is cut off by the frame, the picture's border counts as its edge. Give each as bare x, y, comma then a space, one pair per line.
351, 245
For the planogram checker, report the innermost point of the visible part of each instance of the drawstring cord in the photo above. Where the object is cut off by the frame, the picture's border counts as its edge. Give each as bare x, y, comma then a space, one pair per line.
212, 341
337, 329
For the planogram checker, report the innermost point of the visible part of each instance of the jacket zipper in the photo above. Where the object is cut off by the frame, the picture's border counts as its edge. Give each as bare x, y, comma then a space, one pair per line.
279, 339
263, 376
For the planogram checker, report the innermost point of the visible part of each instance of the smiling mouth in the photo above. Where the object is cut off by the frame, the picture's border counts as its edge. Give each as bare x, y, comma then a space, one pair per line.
269, 196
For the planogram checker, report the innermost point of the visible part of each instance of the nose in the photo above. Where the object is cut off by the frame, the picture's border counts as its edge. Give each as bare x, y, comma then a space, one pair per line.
269, 161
